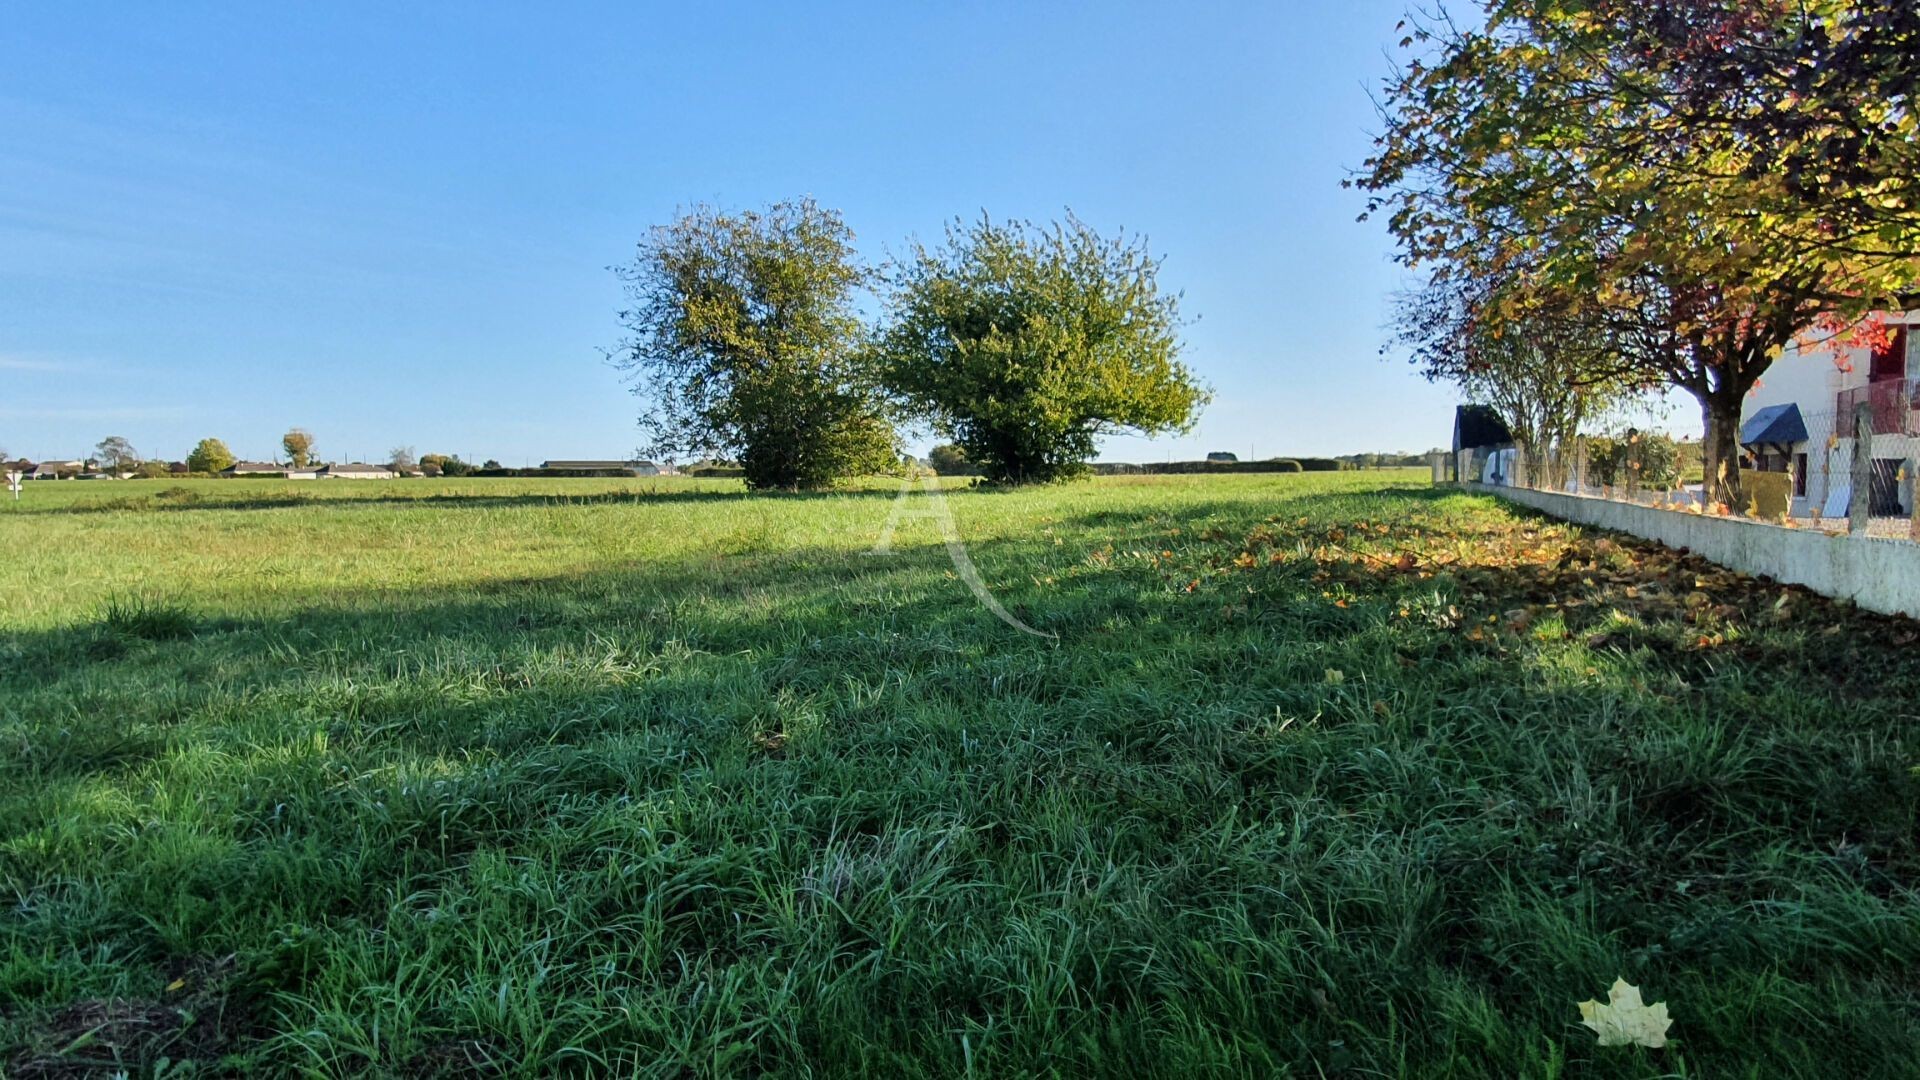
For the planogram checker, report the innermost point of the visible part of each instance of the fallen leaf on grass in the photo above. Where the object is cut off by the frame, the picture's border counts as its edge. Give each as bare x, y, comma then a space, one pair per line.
1626, 1020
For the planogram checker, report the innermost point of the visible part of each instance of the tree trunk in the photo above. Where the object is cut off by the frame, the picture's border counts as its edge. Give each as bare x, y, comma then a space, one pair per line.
1720, 448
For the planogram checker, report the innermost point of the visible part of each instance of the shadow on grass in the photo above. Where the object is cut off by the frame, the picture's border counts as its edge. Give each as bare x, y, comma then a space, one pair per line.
814, 808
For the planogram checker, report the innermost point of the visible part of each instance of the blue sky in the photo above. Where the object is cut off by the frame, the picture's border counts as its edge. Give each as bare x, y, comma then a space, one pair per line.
391, 225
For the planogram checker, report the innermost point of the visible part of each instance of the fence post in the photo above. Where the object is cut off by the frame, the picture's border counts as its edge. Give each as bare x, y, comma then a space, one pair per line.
1913, 497
1859, 508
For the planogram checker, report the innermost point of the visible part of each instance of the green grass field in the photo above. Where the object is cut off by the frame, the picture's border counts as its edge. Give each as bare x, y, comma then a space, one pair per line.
1330, 774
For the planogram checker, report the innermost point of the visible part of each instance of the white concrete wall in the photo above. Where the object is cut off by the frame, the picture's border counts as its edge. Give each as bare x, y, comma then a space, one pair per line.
1879, 575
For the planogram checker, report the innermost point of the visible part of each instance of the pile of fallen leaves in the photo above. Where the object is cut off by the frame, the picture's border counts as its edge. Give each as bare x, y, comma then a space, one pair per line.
1510, 578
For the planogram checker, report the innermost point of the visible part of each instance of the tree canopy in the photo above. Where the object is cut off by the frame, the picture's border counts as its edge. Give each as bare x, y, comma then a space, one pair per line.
1024, 343
209, 456
949, 460
1546, 373
116, 455
1710, 177
744, 342
298, 443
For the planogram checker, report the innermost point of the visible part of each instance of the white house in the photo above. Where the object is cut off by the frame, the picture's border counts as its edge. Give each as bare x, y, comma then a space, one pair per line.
1800, 419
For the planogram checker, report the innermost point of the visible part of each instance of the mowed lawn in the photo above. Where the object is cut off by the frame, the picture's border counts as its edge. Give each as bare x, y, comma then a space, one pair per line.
1331, 774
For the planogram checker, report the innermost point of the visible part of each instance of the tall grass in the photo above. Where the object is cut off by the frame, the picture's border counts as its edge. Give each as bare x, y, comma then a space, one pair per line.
1325, 774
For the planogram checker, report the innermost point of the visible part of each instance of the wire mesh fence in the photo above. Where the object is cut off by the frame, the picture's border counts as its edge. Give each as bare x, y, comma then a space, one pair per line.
1802, 471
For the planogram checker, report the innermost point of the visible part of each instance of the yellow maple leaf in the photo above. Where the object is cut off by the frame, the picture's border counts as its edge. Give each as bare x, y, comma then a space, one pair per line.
1626, 1020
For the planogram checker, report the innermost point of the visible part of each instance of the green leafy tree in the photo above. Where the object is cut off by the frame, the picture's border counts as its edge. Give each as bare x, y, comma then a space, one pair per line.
209, 456
1648, 461
298, 443
116, 455
743, 342
1024, 344
1546, 374
152, 470
1713, 176
949, 460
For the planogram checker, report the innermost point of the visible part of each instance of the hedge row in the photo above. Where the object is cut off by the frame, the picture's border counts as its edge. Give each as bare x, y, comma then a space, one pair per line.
1275, 465
554, 474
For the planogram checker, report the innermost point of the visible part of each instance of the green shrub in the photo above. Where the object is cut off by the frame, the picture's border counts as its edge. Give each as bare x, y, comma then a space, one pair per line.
1610, 459
949, 460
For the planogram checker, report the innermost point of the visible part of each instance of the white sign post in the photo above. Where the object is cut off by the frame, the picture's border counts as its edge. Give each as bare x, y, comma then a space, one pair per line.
13, 483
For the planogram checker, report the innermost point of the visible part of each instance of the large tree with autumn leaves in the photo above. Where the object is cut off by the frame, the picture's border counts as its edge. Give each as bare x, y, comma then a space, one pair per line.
1711, 177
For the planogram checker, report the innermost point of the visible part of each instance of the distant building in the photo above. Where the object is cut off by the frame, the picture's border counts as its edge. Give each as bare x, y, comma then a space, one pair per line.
1482, 446
254, 468
1223, 457
1801, 421
356, 470
56, 470
602, 468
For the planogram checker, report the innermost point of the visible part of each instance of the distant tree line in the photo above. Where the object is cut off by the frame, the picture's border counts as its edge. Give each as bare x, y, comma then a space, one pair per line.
116, 456
948, 459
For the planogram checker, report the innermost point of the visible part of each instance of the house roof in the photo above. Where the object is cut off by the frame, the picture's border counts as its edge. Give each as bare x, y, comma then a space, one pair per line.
1478, 425
1775, 425
254, 466
356, 466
